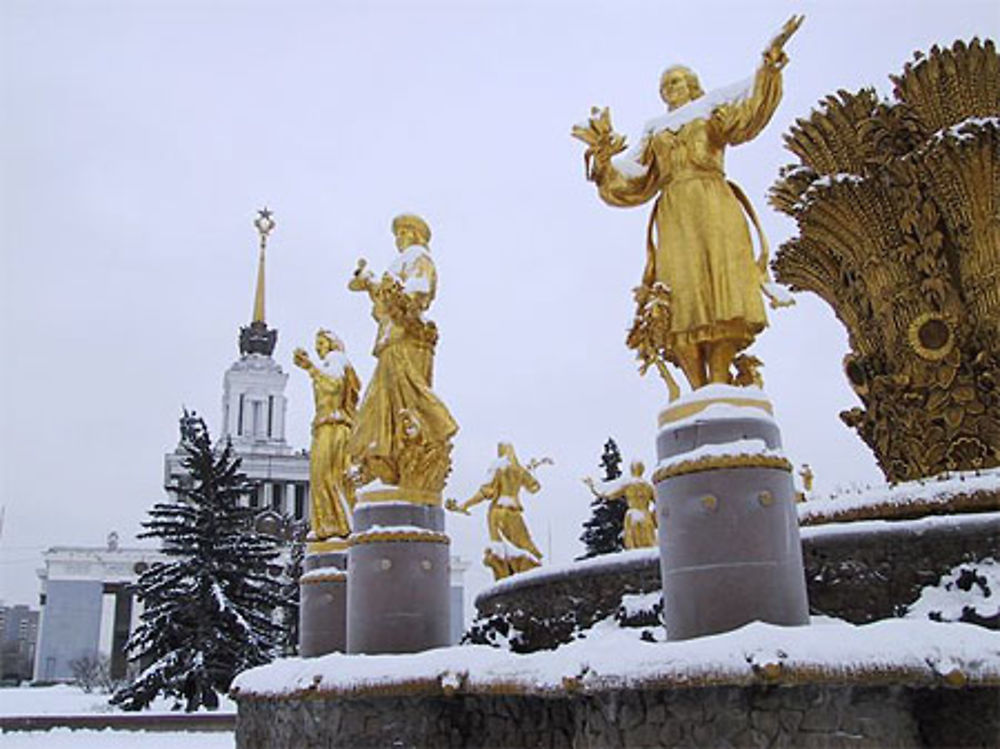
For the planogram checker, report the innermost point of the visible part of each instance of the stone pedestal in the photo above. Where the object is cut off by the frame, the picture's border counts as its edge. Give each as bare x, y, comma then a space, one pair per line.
323, 599
398, 599
728, 531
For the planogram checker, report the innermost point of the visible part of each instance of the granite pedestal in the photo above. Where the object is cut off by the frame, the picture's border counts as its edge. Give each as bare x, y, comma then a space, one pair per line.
398, 598
728, 531
323, 599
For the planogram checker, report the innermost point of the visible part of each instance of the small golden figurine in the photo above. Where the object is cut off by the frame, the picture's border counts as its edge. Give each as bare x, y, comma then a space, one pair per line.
335, 389
639, 495
505, 517
807, 476
699, 303
402, 437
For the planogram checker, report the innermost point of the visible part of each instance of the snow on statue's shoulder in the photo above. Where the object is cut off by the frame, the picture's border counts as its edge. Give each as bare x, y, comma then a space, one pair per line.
701, 108
403, 264
335, 364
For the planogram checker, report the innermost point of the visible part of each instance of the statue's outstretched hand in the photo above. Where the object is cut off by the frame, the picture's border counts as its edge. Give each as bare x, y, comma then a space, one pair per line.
775, 52
601, 139
301, 358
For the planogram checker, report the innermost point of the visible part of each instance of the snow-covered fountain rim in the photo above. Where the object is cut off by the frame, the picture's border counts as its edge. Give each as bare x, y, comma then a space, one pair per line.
598, 565
965, 492
643, 558
894, 651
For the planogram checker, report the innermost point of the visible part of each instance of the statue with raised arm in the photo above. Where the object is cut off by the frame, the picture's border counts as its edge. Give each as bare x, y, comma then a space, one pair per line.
505, 517
699, 303
402, 437
335, 389
640, 497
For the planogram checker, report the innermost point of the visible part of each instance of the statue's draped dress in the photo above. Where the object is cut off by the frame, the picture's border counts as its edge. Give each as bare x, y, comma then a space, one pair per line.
400, 388
331, 493
702, 249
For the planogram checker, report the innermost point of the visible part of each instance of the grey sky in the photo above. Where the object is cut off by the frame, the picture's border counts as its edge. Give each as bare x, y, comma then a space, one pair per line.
137, 139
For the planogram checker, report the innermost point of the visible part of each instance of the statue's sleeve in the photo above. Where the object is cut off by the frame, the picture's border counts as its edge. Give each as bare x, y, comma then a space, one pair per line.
741, 121
625, 189
352, 388
529, 481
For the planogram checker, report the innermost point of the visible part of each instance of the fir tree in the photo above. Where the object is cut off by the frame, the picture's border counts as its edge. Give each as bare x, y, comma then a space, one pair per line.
209, 611
290, 589
604, 532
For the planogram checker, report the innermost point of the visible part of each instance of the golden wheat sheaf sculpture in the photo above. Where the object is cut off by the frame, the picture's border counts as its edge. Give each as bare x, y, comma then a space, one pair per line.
899, 231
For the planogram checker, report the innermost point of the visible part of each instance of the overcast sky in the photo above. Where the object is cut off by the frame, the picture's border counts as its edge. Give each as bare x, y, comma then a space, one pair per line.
137, 140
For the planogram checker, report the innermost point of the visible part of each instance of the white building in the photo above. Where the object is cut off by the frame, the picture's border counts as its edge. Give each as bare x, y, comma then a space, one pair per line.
88, 606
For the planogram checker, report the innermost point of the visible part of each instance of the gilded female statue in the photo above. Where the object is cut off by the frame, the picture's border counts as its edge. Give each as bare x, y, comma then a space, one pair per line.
638, 494
335, 389
403, 432
700, 302
505, 517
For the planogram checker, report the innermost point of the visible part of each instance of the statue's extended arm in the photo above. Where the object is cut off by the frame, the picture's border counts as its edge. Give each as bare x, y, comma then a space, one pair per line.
301, 359
743, 120
615, 186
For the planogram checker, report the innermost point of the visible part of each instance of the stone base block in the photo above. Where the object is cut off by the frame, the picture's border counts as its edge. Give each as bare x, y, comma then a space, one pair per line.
728, 529
398, 600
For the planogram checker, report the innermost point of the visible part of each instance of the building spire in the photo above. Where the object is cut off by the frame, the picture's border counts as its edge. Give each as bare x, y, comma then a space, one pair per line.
257, 338
265, 225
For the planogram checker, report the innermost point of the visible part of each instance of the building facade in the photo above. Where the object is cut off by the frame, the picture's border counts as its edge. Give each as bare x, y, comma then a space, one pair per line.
88, 607
18, 638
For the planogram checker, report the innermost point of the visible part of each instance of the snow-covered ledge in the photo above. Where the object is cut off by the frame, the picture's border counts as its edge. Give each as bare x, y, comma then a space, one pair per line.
897, 682
959, 492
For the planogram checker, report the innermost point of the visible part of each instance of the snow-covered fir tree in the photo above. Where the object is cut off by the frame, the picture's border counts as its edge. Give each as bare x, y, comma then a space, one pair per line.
209, 612
290, 589
603, 533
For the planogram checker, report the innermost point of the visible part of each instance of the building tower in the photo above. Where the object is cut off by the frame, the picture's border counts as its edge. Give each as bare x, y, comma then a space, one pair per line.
253, 414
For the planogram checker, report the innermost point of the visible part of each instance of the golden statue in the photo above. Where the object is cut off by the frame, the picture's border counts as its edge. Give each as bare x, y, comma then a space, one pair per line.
896, 204
699, 303
639, 495
335, 389
808, 477
505, 517
402, 437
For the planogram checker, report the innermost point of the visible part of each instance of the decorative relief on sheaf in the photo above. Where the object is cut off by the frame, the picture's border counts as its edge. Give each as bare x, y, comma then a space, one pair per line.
899, 232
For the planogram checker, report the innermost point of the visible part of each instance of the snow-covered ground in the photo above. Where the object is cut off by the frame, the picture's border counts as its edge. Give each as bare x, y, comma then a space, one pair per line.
64, 738
64, 699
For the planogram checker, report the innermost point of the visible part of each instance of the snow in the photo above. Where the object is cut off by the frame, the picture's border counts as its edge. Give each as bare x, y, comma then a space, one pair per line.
748, 447
65, 738
375, 530
964, 130
634, 604
497, 465
922, 525
700, 108
417, 285
938, 490
321, 573
65, 699
949, 598
405, 260
335, 364
612, 657
722, 411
